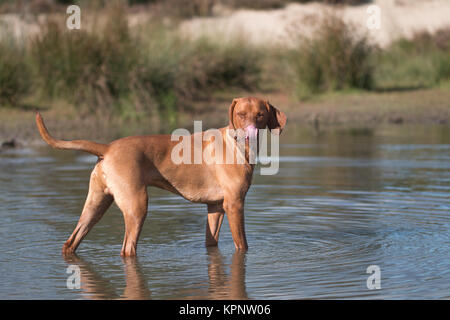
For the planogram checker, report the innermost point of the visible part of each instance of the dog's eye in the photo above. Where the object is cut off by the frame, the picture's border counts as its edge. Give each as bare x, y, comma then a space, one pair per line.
260, 115
241, 114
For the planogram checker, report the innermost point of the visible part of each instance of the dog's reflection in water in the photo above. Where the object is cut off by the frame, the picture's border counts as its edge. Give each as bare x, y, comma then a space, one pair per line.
221, 284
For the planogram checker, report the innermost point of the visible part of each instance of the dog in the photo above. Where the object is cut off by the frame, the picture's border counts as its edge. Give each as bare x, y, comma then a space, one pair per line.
127, 166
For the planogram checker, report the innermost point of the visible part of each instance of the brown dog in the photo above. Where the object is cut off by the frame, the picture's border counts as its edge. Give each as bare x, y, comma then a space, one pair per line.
127, 166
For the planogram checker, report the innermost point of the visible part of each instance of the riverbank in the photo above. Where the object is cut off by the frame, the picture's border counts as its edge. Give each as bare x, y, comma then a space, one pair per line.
114, 65
121, 78
350, 110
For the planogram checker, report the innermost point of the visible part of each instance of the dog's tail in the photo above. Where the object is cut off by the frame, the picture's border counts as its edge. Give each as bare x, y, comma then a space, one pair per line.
98, 149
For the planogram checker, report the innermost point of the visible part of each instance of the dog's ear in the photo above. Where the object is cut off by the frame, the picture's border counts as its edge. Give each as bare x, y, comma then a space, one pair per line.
230, 113
277, 118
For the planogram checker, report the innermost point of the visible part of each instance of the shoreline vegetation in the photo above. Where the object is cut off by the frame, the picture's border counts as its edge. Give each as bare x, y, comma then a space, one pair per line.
356, 113
148, 78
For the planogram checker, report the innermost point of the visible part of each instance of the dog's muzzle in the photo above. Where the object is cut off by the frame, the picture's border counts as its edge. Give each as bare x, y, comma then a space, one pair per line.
251, 132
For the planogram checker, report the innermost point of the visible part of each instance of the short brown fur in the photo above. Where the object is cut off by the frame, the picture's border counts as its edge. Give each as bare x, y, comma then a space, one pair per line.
127, 166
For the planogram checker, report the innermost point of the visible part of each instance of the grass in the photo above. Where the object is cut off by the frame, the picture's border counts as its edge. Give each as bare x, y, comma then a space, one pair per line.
14, 72
420, 62
369, 108
336, 58
352, 113
110, 68
113, 70
174, 8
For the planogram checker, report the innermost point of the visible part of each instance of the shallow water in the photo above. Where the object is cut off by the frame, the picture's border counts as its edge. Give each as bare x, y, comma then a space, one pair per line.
340, 203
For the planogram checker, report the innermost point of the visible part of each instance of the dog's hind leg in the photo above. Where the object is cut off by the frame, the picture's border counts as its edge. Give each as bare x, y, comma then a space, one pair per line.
134, 208
96, 204
213, 224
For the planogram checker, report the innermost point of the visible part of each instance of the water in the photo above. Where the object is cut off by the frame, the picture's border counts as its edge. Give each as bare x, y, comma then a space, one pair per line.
340, 203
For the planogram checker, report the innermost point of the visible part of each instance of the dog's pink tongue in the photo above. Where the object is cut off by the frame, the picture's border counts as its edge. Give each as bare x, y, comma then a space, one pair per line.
251, 132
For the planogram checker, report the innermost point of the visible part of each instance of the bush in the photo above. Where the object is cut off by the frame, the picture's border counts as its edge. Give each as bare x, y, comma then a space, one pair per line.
147, 69
175, 72
67, 64
14, 72
335, 59
209, 66
422, 61
84, 66
399, 67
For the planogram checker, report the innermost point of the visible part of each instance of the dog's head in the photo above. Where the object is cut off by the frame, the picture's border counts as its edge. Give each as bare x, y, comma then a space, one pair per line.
251, 114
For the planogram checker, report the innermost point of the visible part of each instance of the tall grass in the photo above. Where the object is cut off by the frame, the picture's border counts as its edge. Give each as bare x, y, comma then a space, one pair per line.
340, 58
111, 68
335, 58
87, 67
149, 69
422, 61
14, 72
178, 8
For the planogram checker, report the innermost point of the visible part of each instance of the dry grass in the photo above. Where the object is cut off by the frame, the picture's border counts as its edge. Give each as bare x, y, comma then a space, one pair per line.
112, 68
335, 58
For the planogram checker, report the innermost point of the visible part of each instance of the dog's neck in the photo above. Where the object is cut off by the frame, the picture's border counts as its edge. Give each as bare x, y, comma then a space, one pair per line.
240, 148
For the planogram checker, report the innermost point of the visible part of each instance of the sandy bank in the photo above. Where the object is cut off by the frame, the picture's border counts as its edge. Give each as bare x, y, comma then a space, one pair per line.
399, 18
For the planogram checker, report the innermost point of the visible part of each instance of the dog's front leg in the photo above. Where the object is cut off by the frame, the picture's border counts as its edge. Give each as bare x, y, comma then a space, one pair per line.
234, 208
213, 224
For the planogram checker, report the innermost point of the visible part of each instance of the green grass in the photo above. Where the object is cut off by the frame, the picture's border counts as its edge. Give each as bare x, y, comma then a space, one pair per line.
423, 61
14, 72
150, 69
110, 68
334, 59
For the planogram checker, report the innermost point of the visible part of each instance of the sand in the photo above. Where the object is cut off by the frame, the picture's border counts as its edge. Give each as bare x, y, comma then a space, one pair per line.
398, 18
